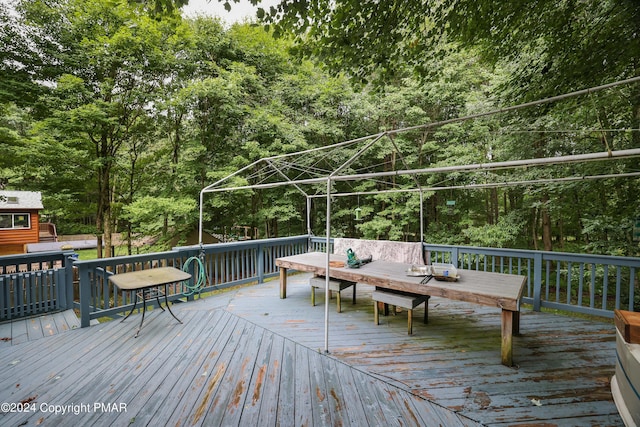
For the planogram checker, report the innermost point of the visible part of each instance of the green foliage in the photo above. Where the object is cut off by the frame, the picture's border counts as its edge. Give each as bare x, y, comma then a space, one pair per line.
504, 234
600, 231
155, 216
120, 112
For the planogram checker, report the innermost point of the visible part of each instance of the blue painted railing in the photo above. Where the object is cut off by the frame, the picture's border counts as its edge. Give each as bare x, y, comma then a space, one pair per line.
36, 283
589, 284
226, 264
32, 284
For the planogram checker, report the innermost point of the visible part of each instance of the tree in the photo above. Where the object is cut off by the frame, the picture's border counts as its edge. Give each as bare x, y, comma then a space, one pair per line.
573, 43
123, 112
106, 62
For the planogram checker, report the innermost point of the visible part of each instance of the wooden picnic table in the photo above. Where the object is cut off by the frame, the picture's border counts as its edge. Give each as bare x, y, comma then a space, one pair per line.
499, 290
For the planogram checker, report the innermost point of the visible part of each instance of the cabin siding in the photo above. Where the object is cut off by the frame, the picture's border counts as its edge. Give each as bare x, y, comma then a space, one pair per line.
14, 240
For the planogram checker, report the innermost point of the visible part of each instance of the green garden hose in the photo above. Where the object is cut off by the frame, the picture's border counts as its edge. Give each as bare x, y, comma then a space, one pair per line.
200, 277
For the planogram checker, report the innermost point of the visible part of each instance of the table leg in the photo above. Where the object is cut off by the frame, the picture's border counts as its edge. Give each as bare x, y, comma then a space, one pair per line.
166, 302
507, 337
135, 303
144, 310
283, 282
158, 297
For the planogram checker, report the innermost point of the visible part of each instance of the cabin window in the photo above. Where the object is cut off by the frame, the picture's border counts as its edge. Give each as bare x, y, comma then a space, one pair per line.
14, 220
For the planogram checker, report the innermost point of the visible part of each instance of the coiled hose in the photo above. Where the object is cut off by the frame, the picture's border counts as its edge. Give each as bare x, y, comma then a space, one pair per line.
200, 277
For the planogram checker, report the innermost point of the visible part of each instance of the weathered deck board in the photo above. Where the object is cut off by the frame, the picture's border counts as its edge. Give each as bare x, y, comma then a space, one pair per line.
18, 331
565, 363
249, 358
196, 370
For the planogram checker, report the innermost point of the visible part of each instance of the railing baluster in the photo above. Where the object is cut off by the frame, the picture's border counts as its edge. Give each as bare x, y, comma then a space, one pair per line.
632, 287
618, 286
592, 290
605, 286
568, 282
580, 284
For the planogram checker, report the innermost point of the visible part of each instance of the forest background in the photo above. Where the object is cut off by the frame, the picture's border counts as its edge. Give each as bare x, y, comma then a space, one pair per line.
120, 112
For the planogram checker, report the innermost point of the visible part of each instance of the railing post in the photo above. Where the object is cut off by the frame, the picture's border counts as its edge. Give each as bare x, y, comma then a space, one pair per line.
260, 254
85, 296
71, 275
60, 283
65, 282
537, 281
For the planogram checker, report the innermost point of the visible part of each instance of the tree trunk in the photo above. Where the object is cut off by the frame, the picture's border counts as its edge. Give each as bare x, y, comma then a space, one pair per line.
108, 232
103, 217
100, 216
505, 208
561, 233
495, 206
129, 239
99, 246
546, 224
534, 229
487, 208
165, 226
492, 206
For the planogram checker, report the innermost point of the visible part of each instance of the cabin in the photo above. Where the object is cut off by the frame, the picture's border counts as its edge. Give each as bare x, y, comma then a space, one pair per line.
19, 220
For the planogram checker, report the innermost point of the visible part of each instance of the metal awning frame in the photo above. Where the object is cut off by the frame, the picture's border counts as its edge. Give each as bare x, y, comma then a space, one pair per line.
273, 163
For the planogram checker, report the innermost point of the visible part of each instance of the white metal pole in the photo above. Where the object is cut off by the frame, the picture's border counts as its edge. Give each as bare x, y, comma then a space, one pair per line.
200, 225
326, 283
308, 215
421, 217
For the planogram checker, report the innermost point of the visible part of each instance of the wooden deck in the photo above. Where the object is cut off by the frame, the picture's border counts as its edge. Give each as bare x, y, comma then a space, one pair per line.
247, 357
36, 327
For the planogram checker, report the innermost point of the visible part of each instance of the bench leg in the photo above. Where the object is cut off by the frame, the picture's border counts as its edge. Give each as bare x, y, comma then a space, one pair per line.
354, 293
313, 296
426, 310
376, 312
410, 321
338, 302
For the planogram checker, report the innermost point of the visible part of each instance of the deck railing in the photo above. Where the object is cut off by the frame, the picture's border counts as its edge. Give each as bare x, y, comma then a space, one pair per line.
225, 265
32, 284
36, 283
589, 284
